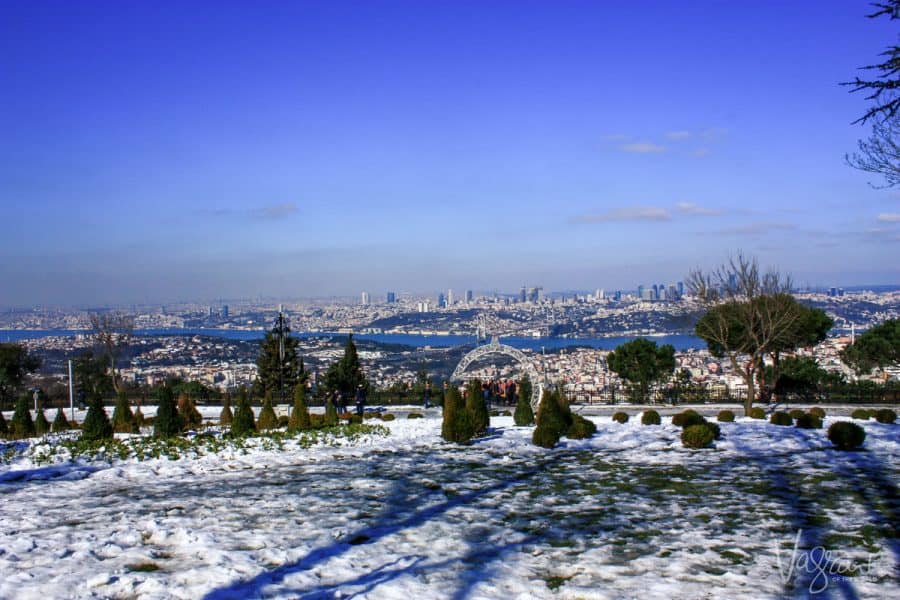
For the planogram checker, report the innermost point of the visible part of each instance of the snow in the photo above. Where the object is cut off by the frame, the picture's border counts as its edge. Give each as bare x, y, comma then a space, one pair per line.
629, 513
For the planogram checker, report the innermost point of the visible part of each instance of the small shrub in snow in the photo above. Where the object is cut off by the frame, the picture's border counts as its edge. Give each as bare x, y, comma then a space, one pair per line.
187, 410
477, 407
861, 414
299, 420
388, 417
757, 413
41, 425
687, 418
620, 417
331, 416
283, 421
139, 420
650, 417
714, 428
457, 425
60, 423
886, 416
552, 421
581, 428
846, 435
818, 411
796, 413
21, 425
697, 436
414, 415
226, 416
96, 424
267, 419
524, 415
809, 421
123, 418
725, 416
781, 418
168, 422
244, 423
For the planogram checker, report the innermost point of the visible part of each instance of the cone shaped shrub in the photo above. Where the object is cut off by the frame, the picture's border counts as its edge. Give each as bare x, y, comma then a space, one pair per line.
781, 418
331, 416
138, 419
41, 424
21, 425
809, 421
123, 419
4, 427
244, 422
187, 410
299, 420
524, 414
457, 425
620, 417
168, 422
60, 423
226, 416
477, 407
267, 418
697, 436
581, 428
886, 416
650, 417
861, 414
725, 416
96, 424
846, 435
552, 422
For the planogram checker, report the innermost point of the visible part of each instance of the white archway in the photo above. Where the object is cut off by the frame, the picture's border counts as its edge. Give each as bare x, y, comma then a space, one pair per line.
495, 347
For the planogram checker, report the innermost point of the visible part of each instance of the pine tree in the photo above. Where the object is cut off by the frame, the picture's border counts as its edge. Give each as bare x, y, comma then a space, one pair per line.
477, 407
60, 423
96, 424
168, 422
41, 425
244, 422
187, 410
138, 419
123, 419
4, 428
346, 375
226, 416
21, 425
331, 416
300, 414
524, 414
273, 371
267, 418
551, 421
457, 425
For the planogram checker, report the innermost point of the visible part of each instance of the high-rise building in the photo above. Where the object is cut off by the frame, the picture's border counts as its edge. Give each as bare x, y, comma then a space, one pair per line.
680, 286
365, 299
469, 296
672, 292
640, 292
224, 311
391, 297
441, 301
523, 295
833, 292
449, 297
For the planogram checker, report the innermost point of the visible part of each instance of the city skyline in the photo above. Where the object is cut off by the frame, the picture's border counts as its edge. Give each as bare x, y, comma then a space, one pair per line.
313, 150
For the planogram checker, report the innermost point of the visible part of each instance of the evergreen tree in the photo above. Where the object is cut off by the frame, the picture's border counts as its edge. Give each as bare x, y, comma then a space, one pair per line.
300, 414
273, 371
457, 425
187, 410
551, 420
524, 415
346, 375
331, 416
168, 422
60, 423
477, 407
123, 419
267, 418
4, 428
41, 425
138, 419
244, 422
96, 424
22, 425
226, 417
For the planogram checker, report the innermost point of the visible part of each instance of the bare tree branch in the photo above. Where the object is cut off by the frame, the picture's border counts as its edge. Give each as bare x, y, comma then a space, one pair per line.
112, 332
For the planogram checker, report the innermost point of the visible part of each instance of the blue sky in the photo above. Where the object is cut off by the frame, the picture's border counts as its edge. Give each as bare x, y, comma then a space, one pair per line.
162, 151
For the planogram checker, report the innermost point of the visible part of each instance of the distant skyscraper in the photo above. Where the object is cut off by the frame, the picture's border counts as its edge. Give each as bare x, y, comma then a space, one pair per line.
680, 286
441, 301
672, 292
833, 292
655, 295
449, 297
224, 311
640, 292
391, 297
365, 298
523, 295
469, 296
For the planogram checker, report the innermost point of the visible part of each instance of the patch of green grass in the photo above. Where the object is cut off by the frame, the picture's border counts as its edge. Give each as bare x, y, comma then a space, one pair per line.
554, 582
144, 567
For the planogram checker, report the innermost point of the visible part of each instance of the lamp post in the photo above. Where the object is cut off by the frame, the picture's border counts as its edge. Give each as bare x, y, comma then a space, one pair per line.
281, 352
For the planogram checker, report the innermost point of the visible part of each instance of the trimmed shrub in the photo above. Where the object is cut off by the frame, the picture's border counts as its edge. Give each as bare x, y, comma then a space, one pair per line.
796, 413
524, 415
817, 411
886, 416
415, 415
476, 406
846, 435
781, 418
187, 410
331, 417
725, 416
21, 425
552, 421
687, 418
41, 424
139, 420
168, 422
4, 428
267, 418
388, 417
581, 428
457, 423
809, 421
299, 420
60, 423
697, 436
620, 417
650, 417
283, 421
714, 428
123, 419
244, 423
757, 413
96, 424
226, 416
861, 414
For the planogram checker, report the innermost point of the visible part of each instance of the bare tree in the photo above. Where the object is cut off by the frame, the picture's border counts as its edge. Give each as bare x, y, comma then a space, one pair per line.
880, 154
112, 332
749, 313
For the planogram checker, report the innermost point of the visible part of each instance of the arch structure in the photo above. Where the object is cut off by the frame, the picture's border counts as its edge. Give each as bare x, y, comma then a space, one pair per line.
495, 347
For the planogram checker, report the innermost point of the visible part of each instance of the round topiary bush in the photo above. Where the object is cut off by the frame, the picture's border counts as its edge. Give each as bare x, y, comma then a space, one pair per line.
861, 414
796, 413
757, 413
886, 416
714, 428
697, 436
809, 421
650, 417
818, 411
725, 416
846, 435
581, 428
414, 415
388, 417
781, 418
687, 418
620, 417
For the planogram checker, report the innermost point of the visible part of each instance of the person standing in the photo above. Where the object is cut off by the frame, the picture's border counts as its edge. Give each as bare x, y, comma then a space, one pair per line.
427, 397
360, 399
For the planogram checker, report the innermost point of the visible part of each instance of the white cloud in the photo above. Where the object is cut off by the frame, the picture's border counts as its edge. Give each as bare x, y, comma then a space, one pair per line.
678, 135
636, 213
689, 208
888, 218
643, 148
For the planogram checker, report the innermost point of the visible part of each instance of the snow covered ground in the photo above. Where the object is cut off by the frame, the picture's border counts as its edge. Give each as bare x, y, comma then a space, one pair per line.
626, 514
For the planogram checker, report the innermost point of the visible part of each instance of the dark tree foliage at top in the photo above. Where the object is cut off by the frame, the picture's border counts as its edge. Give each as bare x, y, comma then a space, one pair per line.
15, 364
275, 369
879, 347
346, 375
642, 363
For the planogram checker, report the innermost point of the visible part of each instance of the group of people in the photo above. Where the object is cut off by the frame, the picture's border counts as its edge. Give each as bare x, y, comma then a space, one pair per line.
340, 400
494, 391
